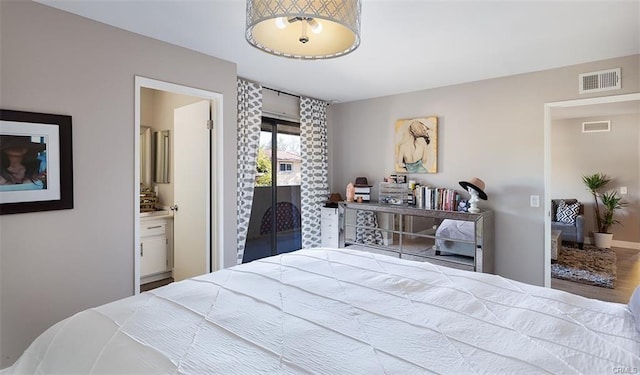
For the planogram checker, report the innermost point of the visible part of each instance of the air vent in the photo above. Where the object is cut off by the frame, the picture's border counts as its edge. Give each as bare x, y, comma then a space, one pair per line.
596, 126
599, 81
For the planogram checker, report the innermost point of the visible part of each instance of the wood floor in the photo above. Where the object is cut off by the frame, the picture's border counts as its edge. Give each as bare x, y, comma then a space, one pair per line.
155, 284
628, 278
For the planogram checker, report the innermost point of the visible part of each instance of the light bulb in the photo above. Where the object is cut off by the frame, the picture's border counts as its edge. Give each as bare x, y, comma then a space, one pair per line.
316, 27
281, 22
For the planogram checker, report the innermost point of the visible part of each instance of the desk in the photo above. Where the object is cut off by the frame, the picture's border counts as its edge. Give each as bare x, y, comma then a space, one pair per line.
555, 238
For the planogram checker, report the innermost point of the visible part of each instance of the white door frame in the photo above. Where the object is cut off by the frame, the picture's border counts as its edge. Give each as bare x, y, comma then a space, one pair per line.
548, 108
215, 208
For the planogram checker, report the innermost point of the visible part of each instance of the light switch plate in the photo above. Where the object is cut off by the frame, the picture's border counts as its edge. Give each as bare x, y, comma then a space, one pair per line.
534, 201
623, 190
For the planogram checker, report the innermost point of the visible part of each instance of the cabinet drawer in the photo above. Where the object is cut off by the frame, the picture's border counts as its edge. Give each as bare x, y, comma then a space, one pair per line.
329, 241
329, 225
152, 228
329, 213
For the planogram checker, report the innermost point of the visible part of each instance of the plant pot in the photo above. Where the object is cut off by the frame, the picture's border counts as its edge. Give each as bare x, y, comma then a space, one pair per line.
602, 240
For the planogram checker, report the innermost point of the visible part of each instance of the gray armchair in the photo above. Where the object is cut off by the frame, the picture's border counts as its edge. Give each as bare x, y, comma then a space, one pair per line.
570, 232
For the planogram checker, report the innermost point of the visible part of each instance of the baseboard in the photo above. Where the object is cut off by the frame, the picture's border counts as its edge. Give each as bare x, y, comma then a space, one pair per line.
615, 243
626, 244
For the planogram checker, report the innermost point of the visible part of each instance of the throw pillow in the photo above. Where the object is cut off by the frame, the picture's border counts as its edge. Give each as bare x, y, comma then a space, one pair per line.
567, 213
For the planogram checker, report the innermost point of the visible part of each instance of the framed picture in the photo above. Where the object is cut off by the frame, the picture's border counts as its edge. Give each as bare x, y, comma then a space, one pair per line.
36, 168
416, 145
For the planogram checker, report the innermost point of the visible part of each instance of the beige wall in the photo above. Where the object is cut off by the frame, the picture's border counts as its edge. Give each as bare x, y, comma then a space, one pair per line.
614, 153
163, 104
53, 264
492, 129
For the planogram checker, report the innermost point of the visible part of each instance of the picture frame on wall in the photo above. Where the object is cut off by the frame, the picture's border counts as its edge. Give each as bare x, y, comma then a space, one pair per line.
36, 166
416, 145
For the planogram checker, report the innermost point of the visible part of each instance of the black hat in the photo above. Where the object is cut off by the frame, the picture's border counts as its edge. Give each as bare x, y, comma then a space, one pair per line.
361, 182
476, 184
20, 141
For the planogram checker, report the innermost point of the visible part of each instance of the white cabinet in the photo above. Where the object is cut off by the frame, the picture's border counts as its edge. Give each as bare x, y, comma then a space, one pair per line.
329, 227
153, 255
154, 246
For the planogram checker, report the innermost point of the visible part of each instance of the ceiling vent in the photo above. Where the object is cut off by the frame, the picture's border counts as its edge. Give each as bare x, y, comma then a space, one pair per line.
596, 126
603, 80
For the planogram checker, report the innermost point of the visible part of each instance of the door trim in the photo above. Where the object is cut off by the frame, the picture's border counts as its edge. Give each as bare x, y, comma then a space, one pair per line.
548, 108
215, 254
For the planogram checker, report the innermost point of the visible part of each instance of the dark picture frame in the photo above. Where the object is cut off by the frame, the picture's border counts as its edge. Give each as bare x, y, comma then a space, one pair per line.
55, 186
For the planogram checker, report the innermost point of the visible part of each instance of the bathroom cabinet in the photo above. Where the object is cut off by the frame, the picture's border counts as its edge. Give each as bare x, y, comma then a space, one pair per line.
155, 247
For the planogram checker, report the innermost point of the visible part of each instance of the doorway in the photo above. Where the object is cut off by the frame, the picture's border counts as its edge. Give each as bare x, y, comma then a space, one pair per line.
179, 118
275, 222
599, 106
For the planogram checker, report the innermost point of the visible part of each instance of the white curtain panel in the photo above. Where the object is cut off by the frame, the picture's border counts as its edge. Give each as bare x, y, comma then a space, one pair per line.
314, 187
249, 121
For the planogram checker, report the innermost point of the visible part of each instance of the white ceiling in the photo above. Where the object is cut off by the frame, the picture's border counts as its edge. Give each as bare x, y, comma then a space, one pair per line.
406, 45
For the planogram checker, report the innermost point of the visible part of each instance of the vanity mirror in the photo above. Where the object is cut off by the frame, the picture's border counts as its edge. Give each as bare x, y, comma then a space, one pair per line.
161, 156
145, 155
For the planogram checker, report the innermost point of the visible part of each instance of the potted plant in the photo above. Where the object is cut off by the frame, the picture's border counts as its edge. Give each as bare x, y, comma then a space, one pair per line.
611, 202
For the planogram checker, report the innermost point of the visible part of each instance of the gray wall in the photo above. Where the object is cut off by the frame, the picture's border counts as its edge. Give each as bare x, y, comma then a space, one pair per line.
614, 153
492, 129
53, 264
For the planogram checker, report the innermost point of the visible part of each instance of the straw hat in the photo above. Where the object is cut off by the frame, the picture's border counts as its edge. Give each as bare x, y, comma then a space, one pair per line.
476, 184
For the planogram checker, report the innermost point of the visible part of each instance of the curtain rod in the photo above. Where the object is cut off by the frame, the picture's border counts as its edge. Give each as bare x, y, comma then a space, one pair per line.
294, 95
281, 92
284, 92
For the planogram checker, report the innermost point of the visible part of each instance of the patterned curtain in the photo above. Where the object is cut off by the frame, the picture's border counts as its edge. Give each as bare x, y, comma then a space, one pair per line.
249, 121
314, 188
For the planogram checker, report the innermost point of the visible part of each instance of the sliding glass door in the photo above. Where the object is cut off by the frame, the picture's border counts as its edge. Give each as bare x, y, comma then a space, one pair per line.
275, 224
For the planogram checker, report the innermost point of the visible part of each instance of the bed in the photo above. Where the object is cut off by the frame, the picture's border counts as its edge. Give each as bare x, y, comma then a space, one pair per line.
455, 230
341, 311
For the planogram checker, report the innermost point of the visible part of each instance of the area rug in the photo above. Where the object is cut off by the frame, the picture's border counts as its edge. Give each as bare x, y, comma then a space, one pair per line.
590, 265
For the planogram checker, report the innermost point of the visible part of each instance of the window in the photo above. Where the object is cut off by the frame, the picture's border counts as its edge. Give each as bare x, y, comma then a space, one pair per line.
286, 167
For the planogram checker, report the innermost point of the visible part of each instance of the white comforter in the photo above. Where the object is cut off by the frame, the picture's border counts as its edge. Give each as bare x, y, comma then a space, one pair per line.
333, 311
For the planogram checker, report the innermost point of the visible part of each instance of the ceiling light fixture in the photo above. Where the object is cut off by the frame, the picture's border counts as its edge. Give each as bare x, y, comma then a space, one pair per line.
282, 27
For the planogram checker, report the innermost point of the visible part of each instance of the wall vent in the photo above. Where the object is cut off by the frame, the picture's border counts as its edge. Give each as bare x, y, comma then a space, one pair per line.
603, 80
596, 126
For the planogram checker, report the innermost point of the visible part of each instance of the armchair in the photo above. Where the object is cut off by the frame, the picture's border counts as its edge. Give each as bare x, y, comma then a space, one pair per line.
573, 232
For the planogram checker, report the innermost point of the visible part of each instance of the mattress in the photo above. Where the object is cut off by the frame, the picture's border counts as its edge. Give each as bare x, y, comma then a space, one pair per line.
340, 311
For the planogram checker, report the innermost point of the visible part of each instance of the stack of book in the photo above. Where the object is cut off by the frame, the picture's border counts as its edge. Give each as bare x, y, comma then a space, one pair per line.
435, 198
363, 192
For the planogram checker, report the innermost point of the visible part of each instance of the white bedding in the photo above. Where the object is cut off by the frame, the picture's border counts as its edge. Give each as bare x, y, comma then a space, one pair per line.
333, 311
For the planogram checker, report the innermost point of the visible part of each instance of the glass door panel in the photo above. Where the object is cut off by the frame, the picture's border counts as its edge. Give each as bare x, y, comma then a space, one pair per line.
275, 224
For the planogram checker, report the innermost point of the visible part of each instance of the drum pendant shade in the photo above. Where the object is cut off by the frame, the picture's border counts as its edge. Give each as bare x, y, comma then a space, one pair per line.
311, 29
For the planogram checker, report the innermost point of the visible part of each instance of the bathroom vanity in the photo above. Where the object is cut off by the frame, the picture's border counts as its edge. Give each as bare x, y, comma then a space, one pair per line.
156, 246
